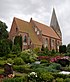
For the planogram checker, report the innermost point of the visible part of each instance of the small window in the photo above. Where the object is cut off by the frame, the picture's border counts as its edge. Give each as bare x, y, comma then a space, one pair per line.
46, 43
52, 42
25, 39
16, 29
35, 29
37, 32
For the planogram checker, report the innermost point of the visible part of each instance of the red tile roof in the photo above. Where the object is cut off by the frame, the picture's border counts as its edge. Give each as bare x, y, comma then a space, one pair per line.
46, 30
24, 26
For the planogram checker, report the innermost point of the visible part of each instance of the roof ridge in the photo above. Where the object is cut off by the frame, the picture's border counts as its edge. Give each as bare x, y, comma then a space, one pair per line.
20, 19
41, 23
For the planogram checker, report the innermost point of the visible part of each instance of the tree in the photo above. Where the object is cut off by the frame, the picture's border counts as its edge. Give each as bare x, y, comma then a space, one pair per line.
62, 49
18, 41
3, 31
4, 47
68, 48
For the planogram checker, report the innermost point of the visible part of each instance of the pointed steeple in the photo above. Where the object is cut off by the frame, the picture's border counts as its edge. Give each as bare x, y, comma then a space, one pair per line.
54, 24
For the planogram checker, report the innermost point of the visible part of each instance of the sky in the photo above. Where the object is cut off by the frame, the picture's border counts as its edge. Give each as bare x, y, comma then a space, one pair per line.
39, 10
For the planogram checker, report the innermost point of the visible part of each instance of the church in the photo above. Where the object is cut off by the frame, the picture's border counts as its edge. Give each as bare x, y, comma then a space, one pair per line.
35, 34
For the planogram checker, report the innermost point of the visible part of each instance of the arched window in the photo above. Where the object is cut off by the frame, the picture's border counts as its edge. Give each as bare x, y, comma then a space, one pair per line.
16, 29
25, 39
38, 33
46, 43
52, 42
35, 29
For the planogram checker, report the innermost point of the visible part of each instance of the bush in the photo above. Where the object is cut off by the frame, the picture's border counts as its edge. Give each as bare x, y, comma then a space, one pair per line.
62, 49
28, 56
1, 71
45, 76
68, 48
18, 61
59, 80
22, 68
2, 62
36, 50
44, 61
54, 67
67, 80
20, 79
9, 60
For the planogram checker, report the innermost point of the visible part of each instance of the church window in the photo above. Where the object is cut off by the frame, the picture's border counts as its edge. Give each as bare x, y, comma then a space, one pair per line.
16, 29
46, 43
37, 32
52, 42
35, 29
25, 39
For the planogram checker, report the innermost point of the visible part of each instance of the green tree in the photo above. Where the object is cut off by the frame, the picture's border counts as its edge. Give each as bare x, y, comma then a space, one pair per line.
4, 47
16, 49
3, 30
62, 49
68, 48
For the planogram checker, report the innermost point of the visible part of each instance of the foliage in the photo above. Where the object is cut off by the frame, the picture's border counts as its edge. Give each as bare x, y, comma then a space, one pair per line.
18, 40
20, 79
1, 71
45, 76
9, 60
58, 75
3, 31
32, 77
28, 56
53, 67
36, 50
44, 61
59, 80
16, 49
4, 47
62, 49
67, 80
22, 68
68, 48
2, 62
11, 55
18, 61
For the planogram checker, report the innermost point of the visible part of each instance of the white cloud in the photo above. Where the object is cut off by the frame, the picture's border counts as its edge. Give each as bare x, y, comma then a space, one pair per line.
39, 10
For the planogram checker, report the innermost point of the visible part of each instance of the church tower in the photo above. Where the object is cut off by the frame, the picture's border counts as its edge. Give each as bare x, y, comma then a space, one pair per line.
54, 24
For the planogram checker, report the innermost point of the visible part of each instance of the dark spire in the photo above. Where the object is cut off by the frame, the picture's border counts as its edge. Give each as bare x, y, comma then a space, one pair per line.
54, 24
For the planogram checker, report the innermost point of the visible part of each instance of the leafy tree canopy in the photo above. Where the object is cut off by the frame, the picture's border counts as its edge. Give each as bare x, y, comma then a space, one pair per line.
3, 31
68, 48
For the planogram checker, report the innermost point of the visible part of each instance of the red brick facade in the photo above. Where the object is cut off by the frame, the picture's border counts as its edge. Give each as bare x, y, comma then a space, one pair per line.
34, 34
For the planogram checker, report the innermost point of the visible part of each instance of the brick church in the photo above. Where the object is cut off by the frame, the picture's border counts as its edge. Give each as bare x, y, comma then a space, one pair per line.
35, 34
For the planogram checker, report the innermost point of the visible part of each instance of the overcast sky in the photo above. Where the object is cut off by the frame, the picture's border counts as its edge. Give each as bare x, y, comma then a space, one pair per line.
39, 10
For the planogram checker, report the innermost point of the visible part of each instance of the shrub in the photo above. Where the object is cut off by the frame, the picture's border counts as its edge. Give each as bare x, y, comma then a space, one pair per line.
18, 61
62, 49
45, 76
44, 61
54, 67
1, 71
67, 80
59, 80
16, 49
2, 62
9, 60
68, 48
36, 50
20, 79
28, 56
22, 68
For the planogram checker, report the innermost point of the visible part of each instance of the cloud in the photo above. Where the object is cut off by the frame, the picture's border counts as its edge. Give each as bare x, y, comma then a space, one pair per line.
40, 10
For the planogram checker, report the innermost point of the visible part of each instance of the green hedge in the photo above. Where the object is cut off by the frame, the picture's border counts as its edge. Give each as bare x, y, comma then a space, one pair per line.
20, 79
22, 68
